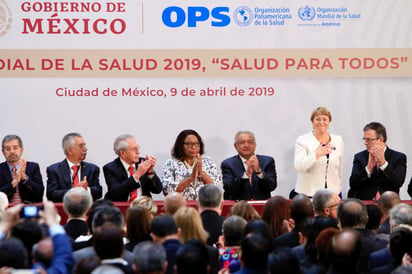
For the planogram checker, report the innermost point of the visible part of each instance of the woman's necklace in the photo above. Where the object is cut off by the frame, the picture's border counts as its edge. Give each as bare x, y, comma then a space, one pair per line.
188, 165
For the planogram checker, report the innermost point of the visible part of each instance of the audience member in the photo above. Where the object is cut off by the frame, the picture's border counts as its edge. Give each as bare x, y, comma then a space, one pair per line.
345, 252
189, 169
255, 250
138, 221
378, 168
325, 203
77, 202
173, 201
283, 261
4, 203
43, 252
247, 176
322, 244
300, 209
87, 265
210, 200
276, 213
245, 210
192, 256
129, 175
318, 157
386, 202
352, 213
72, 171
374, 221
108, 244
149, 258
164, 231
147, 202
229, 252
20, 180
262, 227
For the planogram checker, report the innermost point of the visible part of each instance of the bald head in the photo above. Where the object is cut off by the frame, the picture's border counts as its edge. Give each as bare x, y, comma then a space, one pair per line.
301, 208
388, 200
173, 202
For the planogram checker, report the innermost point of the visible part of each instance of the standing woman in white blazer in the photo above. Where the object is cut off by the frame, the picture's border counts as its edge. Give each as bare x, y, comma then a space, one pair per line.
319, 157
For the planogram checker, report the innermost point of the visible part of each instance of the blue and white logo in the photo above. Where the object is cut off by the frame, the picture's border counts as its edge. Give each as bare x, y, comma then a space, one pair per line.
243, 16
306, 13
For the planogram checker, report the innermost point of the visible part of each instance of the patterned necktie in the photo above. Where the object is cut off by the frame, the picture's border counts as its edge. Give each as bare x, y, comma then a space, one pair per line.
16, 199
75, 178
133, 194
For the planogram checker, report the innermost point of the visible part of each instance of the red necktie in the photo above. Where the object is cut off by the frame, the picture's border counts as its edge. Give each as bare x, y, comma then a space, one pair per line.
75, 175
16, 199
133, 194
250, 178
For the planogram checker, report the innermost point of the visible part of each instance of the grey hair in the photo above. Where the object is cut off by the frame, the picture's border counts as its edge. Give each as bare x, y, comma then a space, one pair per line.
400, 214
9, 138
321, 198
77, 201
149, 257
244, 132
68, 140
210, 195
121, 143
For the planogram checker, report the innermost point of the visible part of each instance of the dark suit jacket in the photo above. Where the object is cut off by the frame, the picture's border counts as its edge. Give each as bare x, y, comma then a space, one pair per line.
391, 178
212, 222
76, 227
31, 190
237, 188
59, 180
380, 258
120, 184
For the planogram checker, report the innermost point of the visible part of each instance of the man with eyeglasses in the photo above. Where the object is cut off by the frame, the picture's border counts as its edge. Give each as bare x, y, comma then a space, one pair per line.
378, 168
248, 176
129, 175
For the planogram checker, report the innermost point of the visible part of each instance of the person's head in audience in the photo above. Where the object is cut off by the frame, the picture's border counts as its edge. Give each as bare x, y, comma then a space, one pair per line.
400, 214
147, 202
352, 213
261, 227
87, 265
13, 253
283, 261
77, 202
163, 227
29, 232
403, 269
74, 147
276, 213
244, 210
325, 203
138, 221
255, 250
149, 258
322, 244
43, 252
210, 197
233, 231
4, 203
400, 242
95, 207
192, 257
387, 201
345, 250
190, 224
108, 241
374, 216
107, 214
300, 209
173, 202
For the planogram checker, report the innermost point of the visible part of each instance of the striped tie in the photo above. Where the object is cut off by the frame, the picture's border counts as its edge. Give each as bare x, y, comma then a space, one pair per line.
16, 199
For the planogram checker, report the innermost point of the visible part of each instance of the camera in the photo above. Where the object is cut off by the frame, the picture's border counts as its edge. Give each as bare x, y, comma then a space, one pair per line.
29, 212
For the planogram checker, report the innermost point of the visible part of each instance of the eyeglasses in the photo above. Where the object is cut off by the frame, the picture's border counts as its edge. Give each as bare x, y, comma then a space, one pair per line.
243, 143
332, 206
190, 144
368, 140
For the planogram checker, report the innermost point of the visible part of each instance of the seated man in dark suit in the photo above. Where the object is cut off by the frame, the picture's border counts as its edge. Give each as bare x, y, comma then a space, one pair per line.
129, 175
72, 171
248, 176
20, 180
378, 168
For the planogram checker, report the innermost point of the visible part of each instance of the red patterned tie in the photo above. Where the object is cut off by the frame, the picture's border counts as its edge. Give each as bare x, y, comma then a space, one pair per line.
133, 194
75, 175
16, 199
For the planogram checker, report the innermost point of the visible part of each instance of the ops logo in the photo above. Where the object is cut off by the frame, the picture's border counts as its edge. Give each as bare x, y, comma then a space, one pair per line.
175, 17
5, 17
